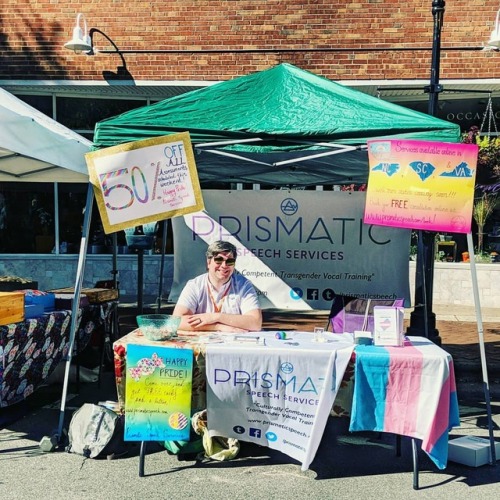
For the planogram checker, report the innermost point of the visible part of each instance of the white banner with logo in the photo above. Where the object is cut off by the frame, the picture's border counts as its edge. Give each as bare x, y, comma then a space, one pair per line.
277, 395
297, 247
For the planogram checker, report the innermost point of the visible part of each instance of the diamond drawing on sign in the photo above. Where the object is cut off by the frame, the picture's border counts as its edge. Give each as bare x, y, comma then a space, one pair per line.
286, 367
422, 169
385, 324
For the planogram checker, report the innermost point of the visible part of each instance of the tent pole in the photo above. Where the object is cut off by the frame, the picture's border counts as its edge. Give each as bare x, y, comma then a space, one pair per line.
114, 272
76, 304
482, 351
140, 280
162, 265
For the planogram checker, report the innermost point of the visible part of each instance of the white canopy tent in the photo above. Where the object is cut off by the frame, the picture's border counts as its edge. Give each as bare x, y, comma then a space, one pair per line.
35, 148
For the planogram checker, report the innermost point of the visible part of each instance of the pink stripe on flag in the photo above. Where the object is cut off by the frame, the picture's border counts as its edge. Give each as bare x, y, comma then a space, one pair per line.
441, 422
403, 390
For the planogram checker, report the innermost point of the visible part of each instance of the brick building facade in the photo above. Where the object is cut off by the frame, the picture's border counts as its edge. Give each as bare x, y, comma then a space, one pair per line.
145, 51
207, 40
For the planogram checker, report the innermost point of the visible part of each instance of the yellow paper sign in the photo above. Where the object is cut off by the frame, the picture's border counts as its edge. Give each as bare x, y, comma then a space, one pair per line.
145, 181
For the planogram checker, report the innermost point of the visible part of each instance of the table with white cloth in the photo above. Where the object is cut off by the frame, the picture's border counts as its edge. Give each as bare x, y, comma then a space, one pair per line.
279, 392
275, 392
408, 390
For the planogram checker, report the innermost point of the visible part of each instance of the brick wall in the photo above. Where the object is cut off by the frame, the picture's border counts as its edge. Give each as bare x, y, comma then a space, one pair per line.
221, 39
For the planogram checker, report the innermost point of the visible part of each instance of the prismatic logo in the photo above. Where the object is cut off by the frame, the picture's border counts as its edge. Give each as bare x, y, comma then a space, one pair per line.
289, 206
286, 367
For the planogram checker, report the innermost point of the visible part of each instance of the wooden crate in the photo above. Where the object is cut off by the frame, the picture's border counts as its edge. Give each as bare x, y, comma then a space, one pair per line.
11, 307
95, 295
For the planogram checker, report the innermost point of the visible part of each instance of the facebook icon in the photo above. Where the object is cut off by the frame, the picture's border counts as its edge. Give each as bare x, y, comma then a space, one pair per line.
312, 294
254, 432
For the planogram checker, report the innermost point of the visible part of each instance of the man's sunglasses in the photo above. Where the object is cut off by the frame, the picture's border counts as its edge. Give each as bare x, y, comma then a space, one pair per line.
220, 260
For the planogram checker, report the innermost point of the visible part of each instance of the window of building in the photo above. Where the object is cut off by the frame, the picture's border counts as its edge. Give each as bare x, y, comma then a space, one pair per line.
80, 114
27, 222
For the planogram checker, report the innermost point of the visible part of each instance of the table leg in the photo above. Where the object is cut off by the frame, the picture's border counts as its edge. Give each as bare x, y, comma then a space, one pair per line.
415, 463
142, 457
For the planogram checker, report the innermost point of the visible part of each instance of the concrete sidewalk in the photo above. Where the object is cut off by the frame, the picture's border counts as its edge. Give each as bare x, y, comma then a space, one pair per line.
463, 313
362, 464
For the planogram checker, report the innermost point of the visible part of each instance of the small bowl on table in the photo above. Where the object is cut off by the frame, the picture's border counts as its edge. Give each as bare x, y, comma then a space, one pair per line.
158, 327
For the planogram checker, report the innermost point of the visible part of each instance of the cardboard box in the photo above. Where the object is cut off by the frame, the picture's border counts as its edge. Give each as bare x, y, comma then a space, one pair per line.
471, 450
11, 307
388, 323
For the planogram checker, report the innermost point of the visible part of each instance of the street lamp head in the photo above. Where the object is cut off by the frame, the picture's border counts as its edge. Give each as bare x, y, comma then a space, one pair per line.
494, 40
81, 41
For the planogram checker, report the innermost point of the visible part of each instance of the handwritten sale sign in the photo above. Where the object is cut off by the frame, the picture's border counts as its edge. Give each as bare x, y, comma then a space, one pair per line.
158, 388
421, 185
145, 181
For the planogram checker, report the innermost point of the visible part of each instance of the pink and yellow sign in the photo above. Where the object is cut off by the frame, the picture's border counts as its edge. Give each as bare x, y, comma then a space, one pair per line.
421, 185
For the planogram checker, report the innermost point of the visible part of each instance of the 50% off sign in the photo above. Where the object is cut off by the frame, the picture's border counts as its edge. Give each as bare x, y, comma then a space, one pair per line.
145, 181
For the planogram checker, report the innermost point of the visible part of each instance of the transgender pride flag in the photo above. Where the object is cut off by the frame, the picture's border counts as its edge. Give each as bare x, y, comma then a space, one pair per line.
407, 390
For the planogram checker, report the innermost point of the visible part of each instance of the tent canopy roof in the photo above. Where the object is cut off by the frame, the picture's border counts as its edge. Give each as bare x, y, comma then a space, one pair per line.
276, 120
35, 148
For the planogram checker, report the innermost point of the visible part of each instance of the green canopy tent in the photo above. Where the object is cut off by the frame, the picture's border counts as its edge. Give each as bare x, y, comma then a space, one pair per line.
281, 126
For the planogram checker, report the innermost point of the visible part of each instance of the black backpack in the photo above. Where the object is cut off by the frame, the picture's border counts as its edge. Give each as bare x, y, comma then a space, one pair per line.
97, 432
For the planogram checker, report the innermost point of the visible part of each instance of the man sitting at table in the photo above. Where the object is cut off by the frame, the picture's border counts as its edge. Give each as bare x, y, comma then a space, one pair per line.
220, 299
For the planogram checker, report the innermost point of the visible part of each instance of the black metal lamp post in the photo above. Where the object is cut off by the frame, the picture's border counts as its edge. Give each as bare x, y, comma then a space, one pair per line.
422, 319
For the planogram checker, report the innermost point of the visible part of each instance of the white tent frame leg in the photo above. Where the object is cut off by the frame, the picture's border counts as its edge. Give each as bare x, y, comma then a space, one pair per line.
76, 305
480, 332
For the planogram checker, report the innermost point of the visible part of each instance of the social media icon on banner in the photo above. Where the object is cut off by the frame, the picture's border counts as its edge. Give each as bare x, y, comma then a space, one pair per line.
271, 436
239, 429
254, 432
296, 293
312, 294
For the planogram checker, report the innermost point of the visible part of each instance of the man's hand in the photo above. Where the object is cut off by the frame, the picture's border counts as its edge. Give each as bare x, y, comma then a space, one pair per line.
198, 321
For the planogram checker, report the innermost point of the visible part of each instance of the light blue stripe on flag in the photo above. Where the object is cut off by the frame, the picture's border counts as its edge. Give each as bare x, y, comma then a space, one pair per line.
372, 372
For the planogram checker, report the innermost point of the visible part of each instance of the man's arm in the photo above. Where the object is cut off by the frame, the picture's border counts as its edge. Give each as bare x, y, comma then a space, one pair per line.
250, 321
